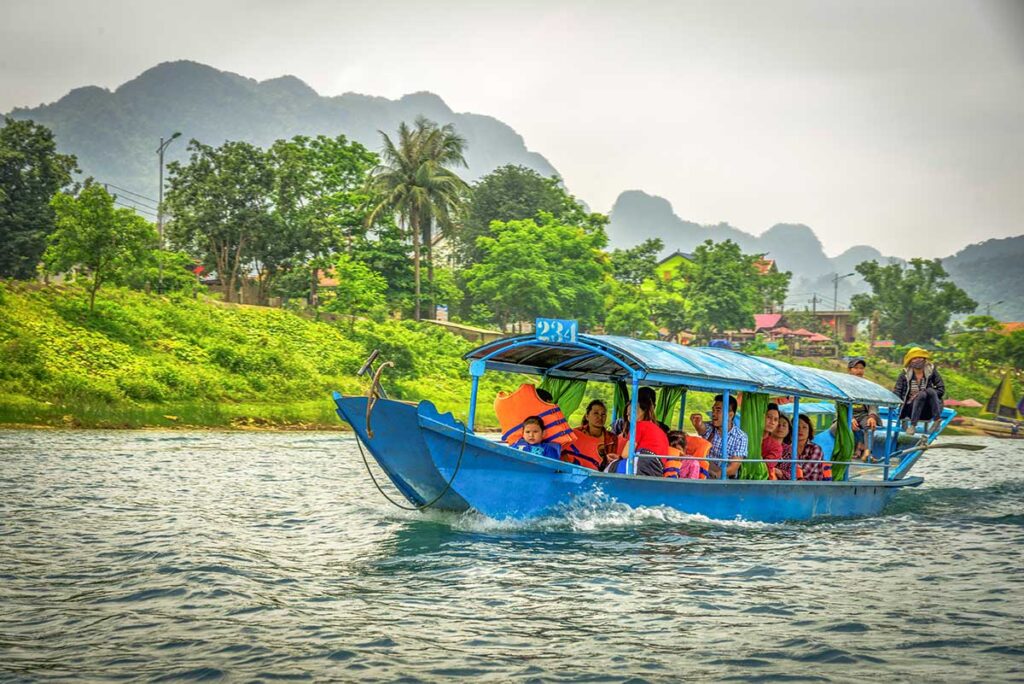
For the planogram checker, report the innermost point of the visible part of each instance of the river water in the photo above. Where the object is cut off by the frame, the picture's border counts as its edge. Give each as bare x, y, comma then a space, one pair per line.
203, 555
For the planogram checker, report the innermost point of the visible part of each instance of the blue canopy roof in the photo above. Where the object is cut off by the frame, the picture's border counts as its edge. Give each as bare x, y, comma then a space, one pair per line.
608, 358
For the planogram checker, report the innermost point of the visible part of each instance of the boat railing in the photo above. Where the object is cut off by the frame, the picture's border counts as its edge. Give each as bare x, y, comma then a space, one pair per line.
708, 459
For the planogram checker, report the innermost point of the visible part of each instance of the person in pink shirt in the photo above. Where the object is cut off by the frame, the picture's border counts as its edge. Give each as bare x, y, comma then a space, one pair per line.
771, 443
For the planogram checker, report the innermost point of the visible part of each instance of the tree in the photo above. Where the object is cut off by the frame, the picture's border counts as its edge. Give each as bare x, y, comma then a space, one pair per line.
359, 292
721, 289
1012, 349
529, 270
913, 304
386, 252
413, 181
175, 268
772, 288
636, 264
631, 318
95, 238
221, 205
512, 193
319, 203
31, 172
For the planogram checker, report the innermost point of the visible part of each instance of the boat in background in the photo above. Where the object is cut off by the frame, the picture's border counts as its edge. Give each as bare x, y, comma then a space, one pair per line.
436, 461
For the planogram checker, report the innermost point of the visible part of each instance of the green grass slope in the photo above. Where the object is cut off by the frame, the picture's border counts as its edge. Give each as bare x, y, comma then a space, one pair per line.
143, 360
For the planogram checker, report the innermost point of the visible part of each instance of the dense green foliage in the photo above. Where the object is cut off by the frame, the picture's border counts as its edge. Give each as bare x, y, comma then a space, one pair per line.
980, 344
513, 193
914, 304
722, 289
96, 239
635, 265
550, 270
31, 172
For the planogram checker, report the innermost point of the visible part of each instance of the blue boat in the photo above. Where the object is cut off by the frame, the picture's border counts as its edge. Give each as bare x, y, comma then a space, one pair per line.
436, 461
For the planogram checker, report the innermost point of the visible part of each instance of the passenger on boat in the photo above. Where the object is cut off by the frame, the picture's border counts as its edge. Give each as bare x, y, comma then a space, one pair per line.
650, 440
686, 445
921, 388
594, 444
532, 440
865, 416
737, 438
814, 465
771, 445
784, 434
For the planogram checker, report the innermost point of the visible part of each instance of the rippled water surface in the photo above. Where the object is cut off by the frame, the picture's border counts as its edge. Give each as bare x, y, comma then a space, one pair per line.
173, 555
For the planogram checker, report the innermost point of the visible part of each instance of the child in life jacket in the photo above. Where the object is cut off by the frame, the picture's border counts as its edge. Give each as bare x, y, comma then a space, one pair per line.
688, 470
531, 441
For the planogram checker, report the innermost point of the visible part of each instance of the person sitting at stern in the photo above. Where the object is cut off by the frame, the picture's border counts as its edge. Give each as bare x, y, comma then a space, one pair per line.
921, 388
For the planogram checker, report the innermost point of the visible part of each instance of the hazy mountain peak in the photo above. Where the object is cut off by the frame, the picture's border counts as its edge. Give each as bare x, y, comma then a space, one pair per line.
653, 205
290, 86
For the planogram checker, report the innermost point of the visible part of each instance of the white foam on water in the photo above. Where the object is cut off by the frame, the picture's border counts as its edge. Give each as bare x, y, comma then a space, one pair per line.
591, 512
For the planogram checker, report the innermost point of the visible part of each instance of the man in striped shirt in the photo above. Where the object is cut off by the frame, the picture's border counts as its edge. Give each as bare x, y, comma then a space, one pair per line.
713, 433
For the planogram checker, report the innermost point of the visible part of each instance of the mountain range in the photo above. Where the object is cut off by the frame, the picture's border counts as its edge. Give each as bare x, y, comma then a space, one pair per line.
115, 134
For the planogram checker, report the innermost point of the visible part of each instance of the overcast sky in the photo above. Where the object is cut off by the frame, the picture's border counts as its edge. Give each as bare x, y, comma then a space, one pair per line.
896, 124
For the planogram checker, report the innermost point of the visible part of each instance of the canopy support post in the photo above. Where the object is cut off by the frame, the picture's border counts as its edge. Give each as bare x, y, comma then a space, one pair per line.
864, 432
682, 410
476, 370
726, 426
888, 443
794, 435
633, 408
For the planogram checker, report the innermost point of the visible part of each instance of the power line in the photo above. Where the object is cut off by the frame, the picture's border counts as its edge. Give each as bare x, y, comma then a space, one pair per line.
139, 210
129, 192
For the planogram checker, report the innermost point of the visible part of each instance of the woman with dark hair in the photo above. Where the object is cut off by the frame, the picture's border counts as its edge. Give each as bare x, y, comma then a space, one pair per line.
650, 440
771, 445
813, 465
594, 444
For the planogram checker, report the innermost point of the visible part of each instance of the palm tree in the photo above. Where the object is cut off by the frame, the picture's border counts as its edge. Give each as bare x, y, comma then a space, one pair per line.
413, 181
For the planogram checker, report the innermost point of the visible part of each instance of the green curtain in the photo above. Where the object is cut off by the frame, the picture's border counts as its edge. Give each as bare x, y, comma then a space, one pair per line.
752, 422
668, 401
843, 449
568, 394
620, 402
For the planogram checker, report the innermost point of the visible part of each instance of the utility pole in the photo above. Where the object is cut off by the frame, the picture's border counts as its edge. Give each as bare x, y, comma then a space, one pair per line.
814, 306
835, 306
988, 307
160, 206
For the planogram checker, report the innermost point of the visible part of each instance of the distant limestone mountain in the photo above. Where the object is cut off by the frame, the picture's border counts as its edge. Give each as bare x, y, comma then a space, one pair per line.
989, 271
115, 134
992, 273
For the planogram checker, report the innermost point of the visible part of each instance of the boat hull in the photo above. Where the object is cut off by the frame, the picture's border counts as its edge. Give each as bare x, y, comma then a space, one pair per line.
504, 483
398, 447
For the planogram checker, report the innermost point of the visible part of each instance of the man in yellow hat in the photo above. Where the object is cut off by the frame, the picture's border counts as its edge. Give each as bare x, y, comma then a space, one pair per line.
921, 388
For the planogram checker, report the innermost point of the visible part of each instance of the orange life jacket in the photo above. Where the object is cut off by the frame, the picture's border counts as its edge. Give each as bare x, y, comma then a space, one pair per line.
700, 448
671, 466
584, 451
512, 409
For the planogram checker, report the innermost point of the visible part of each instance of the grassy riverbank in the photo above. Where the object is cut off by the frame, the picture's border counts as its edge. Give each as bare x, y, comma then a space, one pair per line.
149, 361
